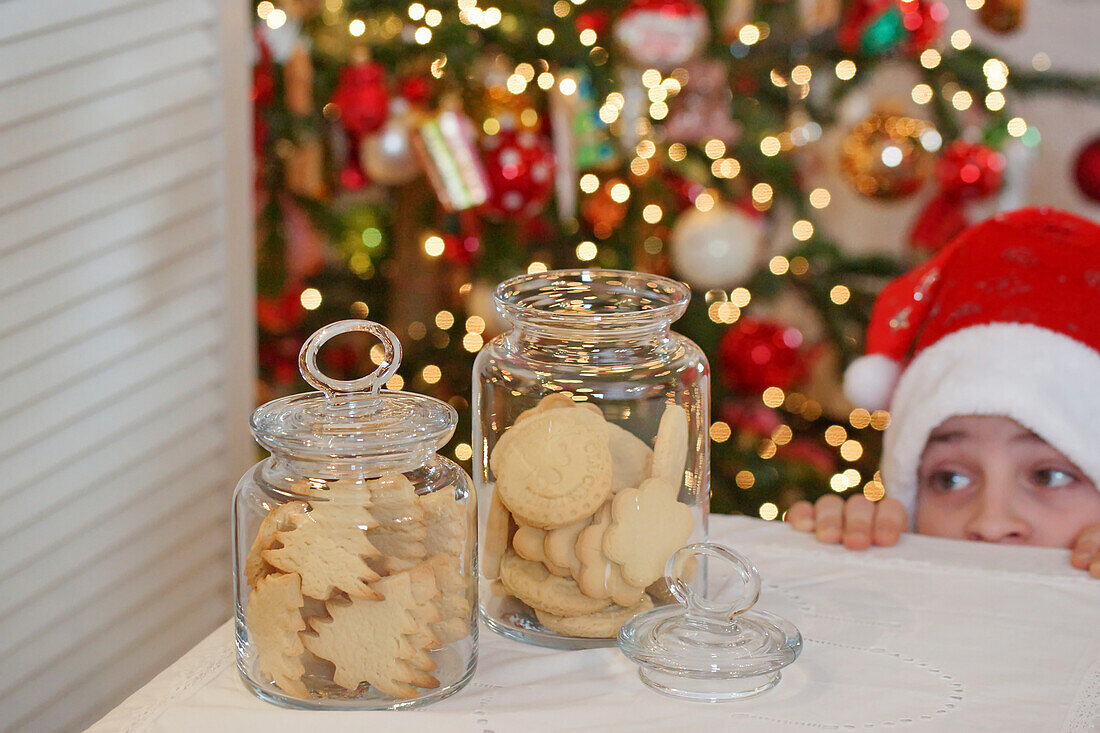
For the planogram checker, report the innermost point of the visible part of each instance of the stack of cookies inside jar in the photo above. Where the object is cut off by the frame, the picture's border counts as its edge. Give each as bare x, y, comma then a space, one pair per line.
583, 516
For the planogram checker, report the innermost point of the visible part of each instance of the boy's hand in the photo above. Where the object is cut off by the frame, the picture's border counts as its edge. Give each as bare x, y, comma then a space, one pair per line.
859, 522
1086, 551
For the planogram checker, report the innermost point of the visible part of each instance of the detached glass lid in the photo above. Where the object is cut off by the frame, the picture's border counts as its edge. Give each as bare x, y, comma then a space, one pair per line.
710, 649
354, 418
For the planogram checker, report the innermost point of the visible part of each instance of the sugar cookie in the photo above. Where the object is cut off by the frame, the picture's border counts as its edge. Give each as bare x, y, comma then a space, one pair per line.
369, 641
274, 618
401, 533
498, 535
670, 448
278, 519
647, 526
533, 584
555, 469
631, 458
560, 545
603, 624
328, 547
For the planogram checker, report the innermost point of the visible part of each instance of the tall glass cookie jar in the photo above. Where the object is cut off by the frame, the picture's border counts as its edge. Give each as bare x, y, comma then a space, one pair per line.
591, 452
354, 545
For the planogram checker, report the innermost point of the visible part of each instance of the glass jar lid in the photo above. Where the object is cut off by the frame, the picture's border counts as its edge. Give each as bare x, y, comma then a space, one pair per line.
707, 649
595, 297
354, 419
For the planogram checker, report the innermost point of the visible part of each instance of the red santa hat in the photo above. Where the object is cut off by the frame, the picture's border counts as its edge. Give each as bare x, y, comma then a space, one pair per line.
1004, 321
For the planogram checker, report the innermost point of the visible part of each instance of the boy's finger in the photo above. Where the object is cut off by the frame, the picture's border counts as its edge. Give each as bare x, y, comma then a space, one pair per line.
1087, 549
858, 515
890, 521
801, 516
828, 518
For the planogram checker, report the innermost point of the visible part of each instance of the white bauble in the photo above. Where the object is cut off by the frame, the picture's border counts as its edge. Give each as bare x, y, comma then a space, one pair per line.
716, 248
387, 156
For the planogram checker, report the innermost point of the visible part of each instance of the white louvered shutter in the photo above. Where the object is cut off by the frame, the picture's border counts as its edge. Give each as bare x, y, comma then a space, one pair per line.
125, 342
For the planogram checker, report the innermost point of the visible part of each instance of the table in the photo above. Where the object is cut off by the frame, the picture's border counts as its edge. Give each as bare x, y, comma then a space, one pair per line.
930, 635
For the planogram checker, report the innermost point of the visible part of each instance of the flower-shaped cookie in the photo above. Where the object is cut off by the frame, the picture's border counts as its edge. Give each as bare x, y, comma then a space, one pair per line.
647, 526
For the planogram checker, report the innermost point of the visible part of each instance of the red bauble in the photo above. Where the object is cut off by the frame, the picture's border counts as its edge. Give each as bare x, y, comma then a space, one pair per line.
362, 97
520, 166
594, 20
461, 249
281, 313
1086, 171
756, 354
970, 171
416, 89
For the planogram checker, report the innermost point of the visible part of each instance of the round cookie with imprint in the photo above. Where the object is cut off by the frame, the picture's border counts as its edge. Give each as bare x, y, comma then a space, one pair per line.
554, 468
533, 584
670, 448
528, 543
556, 401
603, 624
647, 526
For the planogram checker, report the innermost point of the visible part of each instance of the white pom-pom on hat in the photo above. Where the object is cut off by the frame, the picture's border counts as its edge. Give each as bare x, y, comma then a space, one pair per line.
869, 381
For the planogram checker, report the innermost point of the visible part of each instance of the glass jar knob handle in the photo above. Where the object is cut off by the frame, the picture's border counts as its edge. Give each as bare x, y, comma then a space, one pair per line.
334, 389
684, 568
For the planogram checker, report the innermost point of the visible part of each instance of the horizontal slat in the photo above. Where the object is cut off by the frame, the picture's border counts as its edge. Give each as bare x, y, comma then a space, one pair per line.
74, 43
119, 268
58, 331
97, 502
175, 163
32, 469
160, 607
105, 576
82, 122
82, 704
41, 95
88, 164
126, 449
147, 214
82, 399
20, 18
82, 361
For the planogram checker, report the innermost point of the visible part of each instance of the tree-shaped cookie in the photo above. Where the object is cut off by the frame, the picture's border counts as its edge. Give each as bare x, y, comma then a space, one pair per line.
368, 641
328, 547
274, 618
454, 601
278, 519
401, 532
647, 526
447, 521
554, 468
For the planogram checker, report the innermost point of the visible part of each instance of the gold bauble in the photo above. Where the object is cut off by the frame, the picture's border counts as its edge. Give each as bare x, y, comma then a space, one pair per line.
885, 157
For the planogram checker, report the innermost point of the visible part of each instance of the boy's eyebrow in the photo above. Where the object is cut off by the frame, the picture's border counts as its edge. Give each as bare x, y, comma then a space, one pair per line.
1028, 436
950, 436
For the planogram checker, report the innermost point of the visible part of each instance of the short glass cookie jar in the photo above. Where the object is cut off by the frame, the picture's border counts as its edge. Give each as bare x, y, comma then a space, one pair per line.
355, 545
590, 452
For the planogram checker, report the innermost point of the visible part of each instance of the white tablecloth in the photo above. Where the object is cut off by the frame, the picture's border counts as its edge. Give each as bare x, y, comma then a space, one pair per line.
931, 635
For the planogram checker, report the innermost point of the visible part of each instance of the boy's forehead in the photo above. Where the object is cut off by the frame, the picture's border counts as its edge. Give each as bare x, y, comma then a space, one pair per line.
962, 428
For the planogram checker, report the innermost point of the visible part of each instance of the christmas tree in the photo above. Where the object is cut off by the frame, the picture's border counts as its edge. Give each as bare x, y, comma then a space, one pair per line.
412, 155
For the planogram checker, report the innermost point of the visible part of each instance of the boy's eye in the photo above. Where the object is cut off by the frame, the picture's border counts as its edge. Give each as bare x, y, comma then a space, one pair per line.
949, 480
1054, 477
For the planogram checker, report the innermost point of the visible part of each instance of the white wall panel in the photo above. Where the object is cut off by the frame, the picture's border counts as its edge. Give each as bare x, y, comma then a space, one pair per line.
126, 341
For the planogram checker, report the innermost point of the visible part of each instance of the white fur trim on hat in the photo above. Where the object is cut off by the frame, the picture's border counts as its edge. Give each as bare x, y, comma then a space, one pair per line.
869, 381
1046, 381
